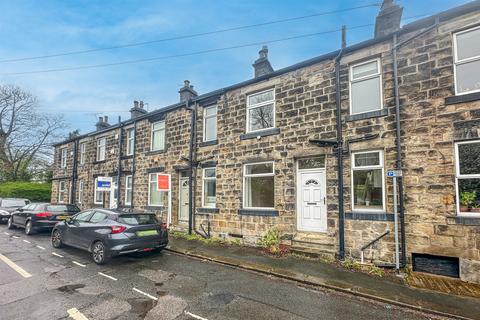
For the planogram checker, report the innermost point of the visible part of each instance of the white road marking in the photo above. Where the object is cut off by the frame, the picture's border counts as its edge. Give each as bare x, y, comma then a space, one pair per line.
194, 316
75, 314
56, 254
40, 247
7, 233
15, 267
26, 241
107, 276
145, 294
79, 264
16, 237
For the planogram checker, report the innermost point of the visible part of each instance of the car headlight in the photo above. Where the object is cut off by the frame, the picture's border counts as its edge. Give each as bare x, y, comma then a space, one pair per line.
3, 212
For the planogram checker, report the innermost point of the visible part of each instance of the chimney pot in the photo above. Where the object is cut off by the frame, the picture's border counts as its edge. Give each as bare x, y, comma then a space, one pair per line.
262, 66
102, 123
137, 109
135, 103
388, 19
141, 104
105, 119
187, 92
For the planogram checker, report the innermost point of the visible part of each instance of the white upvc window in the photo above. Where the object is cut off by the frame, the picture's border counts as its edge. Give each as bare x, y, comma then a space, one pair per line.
467, 177
158, 136
63, 158
209, 190
261, 111
366, 87
101, 148
210, 123
62, 190
156, 198
81, 186
97, 195
128, 190
258, 185
83, 152
467, 61
368, 181
130, 141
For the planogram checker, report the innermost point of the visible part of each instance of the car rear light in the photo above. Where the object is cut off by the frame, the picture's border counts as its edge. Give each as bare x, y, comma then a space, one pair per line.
163, 226
43, 214
118, 229
147, 249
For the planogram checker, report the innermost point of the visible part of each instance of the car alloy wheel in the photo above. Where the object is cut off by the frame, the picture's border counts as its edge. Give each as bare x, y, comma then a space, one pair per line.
56, 239
28, 228
10, 223
98, 253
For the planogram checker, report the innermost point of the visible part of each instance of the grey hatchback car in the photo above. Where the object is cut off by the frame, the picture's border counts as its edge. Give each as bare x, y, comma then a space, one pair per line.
106, 233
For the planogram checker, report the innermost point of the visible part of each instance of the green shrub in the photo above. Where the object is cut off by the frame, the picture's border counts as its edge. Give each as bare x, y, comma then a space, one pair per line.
271, 241
36, 192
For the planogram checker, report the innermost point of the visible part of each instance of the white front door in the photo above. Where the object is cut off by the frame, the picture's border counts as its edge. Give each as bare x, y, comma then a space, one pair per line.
183, 200
311, 201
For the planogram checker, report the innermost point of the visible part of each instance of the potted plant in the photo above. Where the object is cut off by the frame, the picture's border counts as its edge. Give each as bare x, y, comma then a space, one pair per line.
467, 200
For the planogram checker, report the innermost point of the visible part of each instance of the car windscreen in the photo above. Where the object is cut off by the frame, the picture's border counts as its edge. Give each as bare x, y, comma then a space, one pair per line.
138, 219
63, 208
13, 203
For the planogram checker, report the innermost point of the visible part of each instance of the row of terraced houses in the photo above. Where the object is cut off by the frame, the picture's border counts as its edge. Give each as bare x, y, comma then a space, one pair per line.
305, 149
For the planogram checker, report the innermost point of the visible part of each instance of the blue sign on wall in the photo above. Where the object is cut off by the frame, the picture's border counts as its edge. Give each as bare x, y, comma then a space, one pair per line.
104, 183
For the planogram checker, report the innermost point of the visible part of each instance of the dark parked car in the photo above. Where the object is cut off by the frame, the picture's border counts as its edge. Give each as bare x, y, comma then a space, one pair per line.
106, 233
8, 205
40, 216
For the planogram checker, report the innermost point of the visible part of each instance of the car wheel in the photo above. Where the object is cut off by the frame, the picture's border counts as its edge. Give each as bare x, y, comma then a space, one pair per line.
29, 228
10, 223
57, 239
99, 253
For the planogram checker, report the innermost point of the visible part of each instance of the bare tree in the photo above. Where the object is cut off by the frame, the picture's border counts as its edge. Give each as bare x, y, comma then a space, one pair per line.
25, 134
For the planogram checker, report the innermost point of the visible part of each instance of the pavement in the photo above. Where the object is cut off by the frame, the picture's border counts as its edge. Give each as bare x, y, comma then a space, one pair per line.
317, 273
40, 282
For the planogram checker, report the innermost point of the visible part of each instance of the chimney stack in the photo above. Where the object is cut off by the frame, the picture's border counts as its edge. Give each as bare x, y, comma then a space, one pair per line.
187, 92
137, 110
102, 123
388, 20
262, 66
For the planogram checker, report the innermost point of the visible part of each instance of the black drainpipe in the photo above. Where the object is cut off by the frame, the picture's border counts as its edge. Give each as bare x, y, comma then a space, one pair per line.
119, 169
191, 163
341, 211
74, 172
133, 160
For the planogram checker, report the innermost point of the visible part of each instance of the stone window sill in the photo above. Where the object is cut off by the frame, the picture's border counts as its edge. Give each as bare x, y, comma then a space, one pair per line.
369, 216
465, 220
150, 153
469, 97
367, 115
208, 210
208, 143
100, 161
263, 133
258, 212
156, 208
155, 170
127, 157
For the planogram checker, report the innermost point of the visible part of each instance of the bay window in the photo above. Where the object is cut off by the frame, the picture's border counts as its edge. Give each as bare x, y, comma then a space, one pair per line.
259, 186
467, 177
261, 111
467, 61
368, 183
365, 87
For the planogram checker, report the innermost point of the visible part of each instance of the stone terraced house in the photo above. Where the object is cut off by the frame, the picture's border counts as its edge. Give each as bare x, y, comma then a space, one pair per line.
306, 149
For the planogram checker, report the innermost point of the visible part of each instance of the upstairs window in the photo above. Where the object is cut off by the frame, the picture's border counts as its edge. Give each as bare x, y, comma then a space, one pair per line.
101, 148
368, 181
209, 187
63, 158
261, 111
467, 61
467, 177
158, 136
130, 141
83, 152
259, 185
365, 87
210, 123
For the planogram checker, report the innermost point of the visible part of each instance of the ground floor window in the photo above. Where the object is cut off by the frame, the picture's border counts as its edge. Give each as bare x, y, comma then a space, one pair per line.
259, 187
155, 197
62, 190
80, 191
128, 190
368, 186
98, 195
209, 187
468, 176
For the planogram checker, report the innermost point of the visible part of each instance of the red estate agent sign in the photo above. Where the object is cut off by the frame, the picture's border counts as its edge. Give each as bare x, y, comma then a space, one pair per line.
163, 182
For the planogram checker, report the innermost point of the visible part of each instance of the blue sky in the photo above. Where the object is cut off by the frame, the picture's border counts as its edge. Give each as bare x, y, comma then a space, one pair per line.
32, 28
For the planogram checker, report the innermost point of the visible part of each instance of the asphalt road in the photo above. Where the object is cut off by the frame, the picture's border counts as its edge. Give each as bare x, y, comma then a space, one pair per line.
40, 282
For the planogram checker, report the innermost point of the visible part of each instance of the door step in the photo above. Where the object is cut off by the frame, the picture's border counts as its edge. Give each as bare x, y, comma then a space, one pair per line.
314, 245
